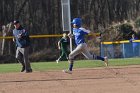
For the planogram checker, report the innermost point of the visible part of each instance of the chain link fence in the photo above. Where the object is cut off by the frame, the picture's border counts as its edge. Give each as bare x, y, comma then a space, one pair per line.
121, 49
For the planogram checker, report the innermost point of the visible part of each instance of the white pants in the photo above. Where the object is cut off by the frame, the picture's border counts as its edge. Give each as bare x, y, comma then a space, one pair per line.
81, 48
22, 55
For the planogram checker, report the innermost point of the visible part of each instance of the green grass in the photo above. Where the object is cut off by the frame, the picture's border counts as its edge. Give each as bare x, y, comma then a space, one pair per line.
45, 66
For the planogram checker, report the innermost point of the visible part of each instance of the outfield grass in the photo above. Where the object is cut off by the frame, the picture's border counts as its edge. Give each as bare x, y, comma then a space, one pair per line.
45, 66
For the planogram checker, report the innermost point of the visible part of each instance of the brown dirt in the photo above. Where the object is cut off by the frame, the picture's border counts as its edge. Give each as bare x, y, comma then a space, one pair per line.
97, 80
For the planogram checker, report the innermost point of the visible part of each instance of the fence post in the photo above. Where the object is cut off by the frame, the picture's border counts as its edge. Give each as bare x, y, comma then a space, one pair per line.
3, 40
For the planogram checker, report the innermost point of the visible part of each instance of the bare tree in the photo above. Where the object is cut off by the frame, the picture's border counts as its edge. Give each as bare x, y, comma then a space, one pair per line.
44, 16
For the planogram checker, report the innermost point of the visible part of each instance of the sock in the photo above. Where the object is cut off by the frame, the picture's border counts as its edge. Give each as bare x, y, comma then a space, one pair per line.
70, 66
98, 58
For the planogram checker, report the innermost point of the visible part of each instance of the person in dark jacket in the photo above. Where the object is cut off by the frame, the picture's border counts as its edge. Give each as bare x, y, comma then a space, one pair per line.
22, 40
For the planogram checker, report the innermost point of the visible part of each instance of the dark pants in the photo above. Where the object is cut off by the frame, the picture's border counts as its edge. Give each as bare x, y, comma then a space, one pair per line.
64, 54
22, 55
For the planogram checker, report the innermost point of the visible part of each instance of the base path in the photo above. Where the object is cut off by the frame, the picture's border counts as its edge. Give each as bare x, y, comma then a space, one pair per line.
97, 80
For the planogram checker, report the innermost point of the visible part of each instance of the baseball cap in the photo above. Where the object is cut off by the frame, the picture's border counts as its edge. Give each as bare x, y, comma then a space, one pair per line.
16, 22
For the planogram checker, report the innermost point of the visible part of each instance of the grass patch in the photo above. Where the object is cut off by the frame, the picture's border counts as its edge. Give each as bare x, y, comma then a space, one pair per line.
45, 66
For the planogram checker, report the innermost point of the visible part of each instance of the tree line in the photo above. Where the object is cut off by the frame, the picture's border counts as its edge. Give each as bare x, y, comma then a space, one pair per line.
44, 17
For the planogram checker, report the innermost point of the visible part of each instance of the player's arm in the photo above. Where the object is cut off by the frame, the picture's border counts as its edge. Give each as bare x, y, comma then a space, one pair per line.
90, 33
14, 39
13, 36
70, 35
58, 44
24, 34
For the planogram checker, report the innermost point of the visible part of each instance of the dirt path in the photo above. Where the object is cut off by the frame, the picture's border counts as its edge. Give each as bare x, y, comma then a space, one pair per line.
100, 80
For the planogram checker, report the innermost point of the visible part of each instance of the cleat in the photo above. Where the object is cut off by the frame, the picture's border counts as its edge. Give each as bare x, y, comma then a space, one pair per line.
67, 71
57, 61
106, 61
23, 69
29, 71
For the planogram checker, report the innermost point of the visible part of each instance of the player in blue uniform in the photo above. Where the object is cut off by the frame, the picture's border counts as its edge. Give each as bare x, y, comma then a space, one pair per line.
79, 36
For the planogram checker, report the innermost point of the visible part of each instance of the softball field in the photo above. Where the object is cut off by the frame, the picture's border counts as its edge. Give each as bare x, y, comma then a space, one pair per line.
124, 79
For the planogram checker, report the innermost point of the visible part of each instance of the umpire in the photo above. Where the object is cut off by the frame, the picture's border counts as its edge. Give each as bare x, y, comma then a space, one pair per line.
22, 40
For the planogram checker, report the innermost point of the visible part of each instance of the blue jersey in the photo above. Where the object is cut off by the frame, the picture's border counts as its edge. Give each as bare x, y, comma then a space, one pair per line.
79, 35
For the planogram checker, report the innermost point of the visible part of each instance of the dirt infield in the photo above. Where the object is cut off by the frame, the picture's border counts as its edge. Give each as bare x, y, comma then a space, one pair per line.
97, 80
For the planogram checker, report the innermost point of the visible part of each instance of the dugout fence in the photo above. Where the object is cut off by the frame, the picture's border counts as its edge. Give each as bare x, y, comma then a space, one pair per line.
120, 49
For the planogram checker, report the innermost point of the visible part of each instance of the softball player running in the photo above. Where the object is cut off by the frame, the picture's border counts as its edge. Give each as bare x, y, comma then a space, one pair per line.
79, 35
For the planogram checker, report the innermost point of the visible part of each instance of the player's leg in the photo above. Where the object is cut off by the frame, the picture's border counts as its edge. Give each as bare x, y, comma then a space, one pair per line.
89, 56
75, 52
61, 56
64, 54
19, 58
25, 52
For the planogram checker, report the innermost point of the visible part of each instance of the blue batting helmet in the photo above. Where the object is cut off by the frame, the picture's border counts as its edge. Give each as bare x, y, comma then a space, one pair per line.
77, 22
